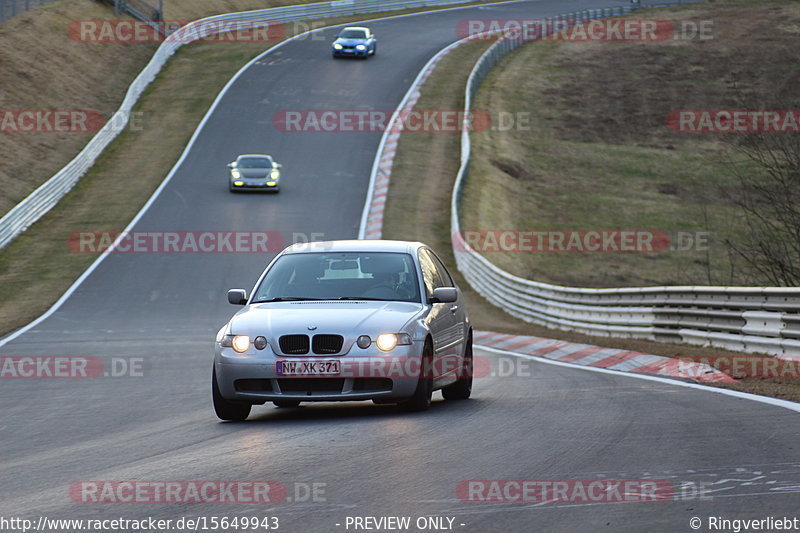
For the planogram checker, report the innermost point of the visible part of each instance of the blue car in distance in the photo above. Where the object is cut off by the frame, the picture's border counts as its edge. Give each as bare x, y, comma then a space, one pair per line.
355, 41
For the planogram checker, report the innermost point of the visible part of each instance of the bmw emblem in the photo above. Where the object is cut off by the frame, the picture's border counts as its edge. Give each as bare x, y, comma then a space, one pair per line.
312, 328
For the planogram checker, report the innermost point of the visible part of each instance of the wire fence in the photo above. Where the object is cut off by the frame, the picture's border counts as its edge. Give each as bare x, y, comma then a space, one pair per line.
12, 8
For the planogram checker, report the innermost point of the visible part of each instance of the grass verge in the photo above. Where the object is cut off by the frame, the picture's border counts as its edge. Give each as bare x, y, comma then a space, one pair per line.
598, 154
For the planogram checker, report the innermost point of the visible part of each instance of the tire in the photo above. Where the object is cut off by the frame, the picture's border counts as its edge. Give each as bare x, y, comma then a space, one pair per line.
461, 389
286, 403
375, 49
421, 400
227, 410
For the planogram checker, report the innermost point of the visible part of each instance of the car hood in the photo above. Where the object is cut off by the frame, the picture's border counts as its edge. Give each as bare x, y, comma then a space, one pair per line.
253, 173
349, 42
342, 317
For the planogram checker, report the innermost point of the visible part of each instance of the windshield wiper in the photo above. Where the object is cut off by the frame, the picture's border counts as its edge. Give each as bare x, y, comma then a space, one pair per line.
365, 298
287, 299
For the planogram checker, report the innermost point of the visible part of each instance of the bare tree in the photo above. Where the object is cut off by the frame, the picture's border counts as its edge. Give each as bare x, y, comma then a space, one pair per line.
769, 197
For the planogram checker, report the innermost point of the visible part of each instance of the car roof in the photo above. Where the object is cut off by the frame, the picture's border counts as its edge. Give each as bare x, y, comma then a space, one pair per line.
356, 28
253, 155
355, 246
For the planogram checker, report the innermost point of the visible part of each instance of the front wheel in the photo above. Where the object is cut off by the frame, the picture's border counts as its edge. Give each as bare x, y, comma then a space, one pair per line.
421, 400
461, 389
227, 410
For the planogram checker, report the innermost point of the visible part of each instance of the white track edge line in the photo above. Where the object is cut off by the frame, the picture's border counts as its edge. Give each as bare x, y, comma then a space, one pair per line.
776, 402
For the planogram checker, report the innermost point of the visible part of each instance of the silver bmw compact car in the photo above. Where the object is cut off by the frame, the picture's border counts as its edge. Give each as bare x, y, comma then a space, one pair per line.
342, 321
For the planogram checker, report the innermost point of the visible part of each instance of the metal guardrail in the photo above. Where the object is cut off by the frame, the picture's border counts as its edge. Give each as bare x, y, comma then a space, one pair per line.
47, 195
12, 8
750, 319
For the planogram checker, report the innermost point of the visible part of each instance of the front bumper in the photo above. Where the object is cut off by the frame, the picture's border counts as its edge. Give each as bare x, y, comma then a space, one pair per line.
350, 52
255, 186
253, 377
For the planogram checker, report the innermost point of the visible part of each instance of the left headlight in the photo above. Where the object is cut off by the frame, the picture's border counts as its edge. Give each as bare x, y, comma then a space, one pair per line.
337, 46
361, 47
275, 174
235, 174
388, 341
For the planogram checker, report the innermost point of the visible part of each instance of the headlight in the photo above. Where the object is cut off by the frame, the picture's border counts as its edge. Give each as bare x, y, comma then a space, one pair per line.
240, 343
361, 47
235, 174
337, 46
275, 174
388, 341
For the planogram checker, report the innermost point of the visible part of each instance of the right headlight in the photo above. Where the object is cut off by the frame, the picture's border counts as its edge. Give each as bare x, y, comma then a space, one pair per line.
337, 46
239, 343
235, 174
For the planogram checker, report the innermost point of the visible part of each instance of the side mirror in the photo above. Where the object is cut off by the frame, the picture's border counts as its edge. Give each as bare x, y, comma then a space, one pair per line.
444, 295
277, 165
231, 164
237, 296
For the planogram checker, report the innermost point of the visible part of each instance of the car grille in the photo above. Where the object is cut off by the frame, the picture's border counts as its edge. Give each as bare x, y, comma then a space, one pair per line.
327, 344
320, 344
294, 344
311, 384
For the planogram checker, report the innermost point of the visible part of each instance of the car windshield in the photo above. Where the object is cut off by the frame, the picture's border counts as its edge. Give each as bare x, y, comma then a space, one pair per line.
353, 34
254, 162
340, 276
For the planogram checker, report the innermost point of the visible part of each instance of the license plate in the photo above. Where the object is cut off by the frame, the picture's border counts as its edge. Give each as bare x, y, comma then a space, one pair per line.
330, 367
